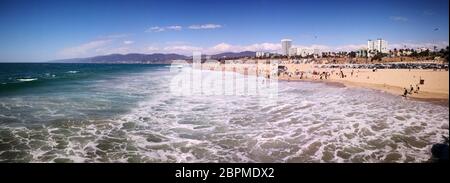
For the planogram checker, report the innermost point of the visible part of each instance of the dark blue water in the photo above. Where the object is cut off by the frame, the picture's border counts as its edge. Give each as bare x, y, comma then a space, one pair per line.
20, 78
37, 93
38, 97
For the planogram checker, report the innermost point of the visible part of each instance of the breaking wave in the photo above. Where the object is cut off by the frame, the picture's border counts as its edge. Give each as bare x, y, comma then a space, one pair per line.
311, 122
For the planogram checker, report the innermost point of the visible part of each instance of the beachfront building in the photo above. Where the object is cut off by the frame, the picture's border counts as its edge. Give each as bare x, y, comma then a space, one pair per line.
419, 50
286, 45
378, 45
262, 54
299, 51
259, 54
407, 52
305, 52
293, 52
317, 53
361, 53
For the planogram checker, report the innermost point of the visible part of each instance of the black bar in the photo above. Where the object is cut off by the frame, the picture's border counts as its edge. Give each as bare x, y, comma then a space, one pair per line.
280, 172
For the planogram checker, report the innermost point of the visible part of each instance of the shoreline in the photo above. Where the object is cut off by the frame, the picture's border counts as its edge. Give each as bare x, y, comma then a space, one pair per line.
428, 85
435, 98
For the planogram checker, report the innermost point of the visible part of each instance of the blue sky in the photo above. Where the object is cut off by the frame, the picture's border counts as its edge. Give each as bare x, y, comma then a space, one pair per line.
39, 30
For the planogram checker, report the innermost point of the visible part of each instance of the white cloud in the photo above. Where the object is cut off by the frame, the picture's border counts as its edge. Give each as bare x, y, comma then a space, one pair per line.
114, 36
84, 49
128, 42
351, 47
267, 47
181, 49
110, 46
398, 18
155, 29
118, 50
225, 47
177, 43
151, 49
162, 29
205, 26
174, 27
314, 46
178, 27
263, 47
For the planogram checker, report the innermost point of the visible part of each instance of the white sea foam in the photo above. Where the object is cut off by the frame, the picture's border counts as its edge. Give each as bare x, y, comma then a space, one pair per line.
26, 79
311, 122
328, 125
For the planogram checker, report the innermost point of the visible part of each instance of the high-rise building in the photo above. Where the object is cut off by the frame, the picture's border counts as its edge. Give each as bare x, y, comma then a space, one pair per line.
370, 45
378, 45
286, 45
382, 46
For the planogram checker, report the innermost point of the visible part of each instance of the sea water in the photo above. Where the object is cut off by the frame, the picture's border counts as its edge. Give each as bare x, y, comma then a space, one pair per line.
127, 113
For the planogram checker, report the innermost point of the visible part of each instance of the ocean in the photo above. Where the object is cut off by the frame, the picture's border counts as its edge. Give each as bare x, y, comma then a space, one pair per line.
127, 113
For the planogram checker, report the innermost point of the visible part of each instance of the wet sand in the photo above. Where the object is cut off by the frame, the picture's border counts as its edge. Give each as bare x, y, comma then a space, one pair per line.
423, 96
435, 87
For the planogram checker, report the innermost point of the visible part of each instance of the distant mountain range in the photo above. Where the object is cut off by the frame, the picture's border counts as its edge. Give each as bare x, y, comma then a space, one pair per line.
156, 58
234, 55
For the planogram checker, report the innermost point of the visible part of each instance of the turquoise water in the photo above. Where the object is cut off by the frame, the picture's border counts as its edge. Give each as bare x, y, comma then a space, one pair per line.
127, 113
37, 97
73, 91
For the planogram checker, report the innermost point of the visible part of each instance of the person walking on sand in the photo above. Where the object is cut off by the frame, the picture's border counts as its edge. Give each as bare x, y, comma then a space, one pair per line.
405, 92
411, 89
417, 88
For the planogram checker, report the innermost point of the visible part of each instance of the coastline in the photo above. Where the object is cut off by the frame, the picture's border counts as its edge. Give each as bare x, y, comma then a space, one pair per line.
435, 98
434, 88
433, 84
321, 124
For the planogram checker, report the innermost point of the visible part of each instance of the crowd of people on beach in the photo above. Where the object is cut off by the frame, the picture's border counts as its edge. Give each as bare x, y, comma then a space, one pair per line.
340, 74
434, 66
297, 74
411, 90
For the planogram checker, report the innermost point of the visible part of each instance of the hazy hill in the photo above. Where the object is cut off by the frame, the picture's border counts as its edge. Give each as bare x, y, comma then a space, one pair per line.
156, 58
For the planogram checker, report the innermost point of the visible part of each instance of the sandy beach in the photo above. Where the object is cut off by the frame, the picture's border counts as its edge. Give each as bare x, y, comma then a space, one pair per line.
435, 86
